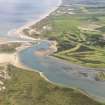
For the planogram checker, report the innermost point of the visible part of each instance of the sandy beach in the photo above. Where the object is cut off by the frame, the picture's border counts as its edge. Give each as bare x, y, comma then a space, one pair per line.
18, 32
13, 58
3, 40
43, 52
7, 58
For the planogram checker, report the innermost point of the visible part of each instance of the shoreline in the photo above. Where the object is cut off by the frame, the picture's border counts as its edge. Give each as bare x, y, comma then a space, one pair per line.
19, 32
14, 60
19, 64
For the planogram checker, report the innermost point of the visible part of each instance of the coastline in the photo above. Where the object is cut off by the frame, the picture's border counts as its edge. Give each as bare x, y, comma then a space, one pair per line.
14, 57
14, 60
19, 64
19, 32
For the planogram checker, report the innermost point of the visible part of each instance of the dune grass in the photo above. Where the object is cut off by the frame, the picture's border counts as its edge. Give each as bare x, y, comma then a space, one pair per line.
28, 88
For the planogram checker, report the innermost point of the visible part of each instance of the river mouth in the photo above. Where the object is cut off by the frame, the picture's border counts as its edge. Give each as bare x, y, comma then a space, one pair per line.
61, 72
56, 70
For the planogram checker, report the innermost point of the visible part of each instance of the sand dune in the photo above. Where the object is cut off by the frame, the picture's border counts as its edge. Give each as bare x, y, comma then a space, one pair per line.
7, 58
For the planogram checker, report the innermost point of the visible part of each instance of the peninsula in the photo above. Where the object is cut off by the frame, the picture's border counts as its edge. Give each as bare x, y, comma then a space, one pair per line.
72, 32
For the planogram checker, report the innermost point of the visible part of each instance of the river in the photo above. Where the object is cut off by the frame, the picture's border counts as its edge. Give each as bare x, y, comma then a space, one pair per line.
16, 13
62, 72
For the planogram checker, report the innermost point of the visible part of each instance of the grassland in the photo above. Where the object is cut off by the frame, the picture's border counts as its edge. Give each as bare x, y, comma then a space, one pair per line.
9, 48
100, 76
80, 33
28, 88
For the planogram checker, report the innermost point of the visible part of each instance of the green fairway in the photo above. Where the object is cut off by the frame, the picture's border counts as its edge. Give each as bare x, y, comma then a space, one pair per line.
80, 36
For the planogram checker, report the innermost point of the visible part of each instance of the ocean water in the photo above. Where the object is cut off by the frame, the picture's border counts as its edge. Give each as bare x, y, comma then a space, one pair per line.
16, 13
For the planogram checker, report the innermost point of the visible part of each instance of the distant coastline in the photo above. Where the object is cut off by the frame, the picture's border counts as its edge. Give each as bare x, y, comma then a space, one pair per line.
18, 32
27, 25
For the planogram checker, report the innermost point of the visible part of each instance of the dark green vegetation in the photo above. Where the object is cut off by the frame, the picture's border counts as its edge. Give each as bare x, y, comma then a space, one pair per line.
79, 31
28, 88
100, 76
9, 48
